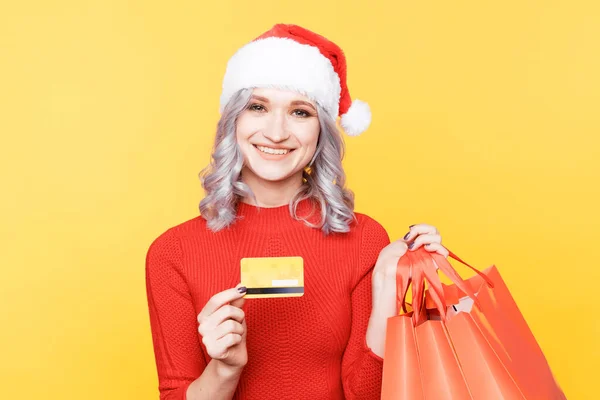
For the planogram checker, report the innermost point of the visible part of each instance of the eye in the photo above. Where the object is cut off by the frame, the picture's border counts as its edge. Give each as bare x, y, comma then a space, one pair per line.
256, 107
301, 113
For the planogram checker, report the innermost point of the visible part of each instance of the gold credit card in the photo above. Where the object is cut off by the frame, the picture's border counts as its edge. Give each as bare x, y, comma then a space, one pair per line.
272, 277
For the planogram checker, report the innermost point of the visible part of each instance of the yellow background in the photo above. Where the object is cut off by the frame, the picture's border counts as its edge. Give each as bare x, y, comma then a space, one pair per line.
485, 124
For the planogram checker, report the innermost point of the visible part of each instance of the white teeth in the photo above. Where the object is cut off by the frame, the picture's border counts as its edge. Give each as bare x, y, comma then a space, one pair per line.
269, 150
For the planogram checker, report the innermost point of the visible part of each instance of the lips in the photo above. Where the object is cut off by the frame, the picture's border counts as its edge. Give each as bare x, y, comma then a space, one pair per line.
272, 157
272, 150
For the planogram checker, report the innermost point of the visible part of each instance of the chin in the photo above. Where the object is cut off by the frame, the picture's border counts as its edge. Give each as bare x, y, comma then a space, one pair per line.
272, 174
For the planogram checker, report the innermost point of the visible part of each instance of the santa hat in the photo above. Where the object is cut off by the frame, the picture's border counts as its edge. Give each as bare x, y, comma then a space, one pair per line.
291, 57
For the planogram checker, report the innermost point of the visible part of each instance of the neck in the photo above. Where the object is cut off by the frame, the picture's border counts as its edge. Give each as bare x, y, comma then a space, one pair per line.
271, 193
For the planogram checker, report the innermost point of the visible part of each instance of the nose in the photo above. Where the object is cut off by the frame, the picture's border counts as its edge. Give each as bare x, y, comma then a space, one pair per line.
276, 128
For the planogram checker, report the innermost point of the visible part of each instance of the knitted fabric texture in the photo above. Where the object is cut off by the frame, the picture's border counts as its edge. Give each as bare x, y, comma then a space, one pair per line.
309, 347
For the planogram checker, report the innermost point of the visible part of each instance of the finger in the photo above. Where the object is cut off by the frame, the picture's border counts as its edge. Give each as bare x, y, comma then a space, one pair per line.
396, 248
220, 299
424, 239
227, 312
437, 248
219, 349
420, 229
241, 301
229, 326
222, 345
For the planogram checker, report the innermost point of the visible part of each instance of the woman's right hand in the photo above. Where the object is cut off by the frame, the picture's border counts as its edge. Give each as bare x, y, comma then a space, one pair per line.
222, 325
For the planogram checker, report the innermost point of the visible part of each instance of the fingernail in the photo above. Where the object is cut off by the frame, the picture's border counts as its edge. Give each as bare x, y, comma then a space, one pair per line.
410, 246
411, 226
406, 236
242, 289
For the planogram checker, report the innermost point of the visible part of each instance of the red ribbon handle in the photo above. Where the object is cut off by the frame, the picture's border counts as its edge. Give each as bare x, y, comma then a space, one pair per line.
481, 274
419, 266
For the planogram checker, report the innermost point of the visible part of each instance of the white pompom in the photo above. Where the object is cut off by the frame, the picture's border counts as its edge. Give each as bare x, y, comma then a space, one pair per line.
357, 119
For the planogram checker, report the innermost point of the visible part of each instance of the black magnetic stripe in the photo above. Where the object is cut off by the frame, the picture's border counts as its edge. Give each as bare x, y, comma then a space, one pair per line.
275, 290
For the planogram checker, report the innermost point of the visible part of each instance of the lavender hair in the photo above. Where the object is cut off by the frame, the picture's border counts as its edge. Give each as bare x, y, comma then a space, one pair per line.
323, 180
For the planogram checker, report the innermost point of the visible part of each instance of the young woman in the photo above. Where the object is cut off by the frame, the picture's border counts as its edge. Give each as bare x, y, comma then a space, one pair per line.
276, 188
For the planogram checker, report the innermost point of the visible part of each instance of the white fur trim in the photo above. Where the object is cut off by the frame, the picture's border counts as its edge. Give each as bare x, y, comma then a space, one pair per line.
286, 64
357, 119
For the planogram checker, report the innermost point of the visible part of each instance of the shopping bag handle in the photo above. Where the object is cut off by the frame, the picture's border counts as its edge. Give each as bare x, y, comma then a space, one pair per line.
416, 267
478, 272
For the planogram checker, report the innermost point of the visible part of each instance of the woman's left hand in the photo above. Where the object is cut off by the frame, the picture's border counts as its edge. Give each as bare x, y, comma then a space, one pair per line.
384, 278
425, 235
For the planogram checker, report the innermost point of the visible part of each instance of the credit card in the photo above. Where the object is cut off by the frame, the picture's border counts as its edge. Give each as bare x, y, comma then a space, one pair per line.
266, 277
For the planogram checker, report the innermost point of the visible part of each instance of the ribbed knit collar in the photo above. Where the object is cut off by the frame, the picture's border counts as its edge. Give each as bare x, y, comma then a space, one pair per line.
275, 218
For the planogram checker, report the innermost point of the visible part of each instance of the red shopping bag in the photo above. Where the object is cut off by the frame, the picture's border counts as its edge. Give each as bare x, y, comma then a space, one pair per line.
467, 340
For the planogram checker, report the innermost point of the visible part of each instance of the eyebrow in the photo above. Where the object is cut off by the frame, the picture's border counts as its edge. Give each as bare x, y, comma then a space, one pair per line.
294, 103
302, 102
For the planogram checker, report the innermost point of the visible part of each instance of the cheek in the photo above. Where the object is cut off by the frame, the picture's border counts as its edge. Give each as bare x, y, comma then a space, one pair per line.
243, 128
310, 136
307, 132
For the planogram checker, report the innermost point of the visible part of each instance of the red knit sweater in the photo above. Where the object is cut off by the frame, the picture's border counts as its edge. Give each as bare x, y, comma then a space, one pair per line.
309, 347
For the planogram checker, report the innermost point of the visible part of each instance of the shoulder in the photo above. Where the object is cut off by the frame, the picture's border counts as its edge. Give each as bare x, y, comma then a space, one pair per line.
373, 238
192, 227
370, 230
166, 247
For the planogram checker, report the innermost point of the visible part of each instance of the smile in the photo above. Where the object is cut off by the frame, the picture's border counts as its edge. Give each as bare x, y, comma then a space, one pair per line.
277, 152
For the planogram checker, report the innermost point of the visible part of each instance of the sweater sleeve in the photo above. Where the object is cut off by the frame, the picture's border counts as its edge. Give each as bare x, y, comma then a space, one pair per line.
361, 368
177, 348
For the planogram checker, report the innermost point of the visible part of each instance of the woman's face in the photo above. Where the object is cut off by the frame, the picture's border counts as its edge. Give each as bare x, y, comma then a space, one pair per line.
277, 133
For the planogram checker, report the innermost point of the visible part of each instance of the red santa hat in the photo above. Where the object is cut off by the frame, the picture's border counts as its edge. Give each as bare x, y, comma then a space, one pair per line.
291, 57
